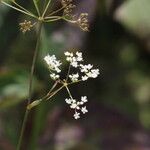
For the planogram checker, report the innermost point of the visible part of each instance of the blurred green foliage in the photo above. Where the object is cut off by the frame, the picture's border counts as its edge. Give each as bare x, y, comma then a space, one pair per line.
118, 43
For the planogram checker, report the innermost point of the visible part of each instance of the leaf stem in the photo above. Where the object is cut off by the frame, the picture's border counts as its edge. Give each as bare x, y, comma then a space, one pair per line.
30, 87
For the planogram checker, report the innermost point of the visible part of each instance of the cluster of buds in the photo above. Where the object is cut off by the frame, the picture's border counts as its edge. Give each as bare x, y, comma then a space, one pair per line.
26, 26
68, 10
82, 20
68, 7
77, 72
66, 2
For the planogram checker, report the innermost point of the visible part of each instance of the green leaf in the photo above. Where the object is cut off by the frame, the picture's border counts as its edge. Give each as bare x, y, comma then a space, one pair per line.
134, 15
14, 88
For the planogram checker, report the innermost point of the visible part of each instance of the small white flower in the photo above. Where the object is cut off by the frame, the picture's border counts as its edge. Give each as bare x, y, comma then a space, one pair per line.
79, 56
73, 105
74, 64
84, 99
68, 54
54, 76
74, 77
84, 110
74, 59
85, 68
93, 73
81, 103
68, 100
84, 78
76, 115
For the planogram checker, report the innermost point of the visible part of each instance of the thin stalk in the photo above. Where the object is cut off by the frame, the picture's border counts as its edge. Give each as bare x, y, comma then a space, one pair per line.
56, 11
52, 17
68, 73
22, 11
55, 84
45, 10
68, 92
74, 82
55, 92
30, 87
51, 20
37, 102
37, 8
21, 7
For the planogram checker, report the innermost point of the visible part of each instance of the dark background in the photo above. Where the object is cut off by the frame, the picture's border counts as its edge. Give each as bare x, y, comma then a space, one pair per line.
118, 43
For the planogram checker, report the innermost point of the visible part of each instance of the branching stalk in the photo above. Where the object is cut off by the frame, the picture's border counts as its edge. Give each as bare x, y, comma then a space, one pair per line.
55, 92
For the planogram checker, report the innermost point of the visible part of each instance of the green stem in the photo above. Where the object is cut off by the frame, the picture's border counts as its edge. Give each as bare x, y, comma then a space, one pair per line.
37, 8
68, 91
55, 92
51, 20
30, 87
56, 11
20, 10
68, 73
21, 7
45, 10
52, 17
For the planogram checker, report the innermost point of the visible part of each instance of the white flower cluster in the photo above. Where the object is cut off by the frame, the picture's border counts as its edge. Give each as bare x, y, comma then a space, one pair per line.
83, 72
76, 60
88, 71
53, 65
77, 105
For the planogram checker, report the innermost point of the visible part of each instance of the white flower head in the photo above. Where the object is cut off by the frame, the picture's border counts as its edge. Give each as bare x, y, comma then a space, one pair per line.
84, 99
79, 56
84, 110
93, 73
84, 78
85, 68
74, 59
54, 76
68, 100
73, 105
53, 63
77, 105
76, 115
74, 77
